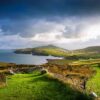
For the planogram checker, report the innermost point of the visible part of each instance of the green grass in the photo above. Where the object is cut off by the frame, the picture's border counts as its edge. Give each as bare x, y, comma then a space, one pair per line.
60, 61
50, 51
94, 83
74, 62
38, 87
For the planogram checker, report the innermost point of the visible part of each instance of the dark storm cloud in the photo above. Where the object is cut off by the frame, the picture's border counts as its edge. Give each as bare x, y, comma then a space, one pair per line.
16, 15
21, 20
41, 8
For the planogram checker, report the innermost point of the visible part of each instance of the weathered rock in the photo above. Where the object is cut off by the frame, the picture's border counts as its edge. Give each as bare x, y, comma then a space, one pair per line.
11, 72
93, 95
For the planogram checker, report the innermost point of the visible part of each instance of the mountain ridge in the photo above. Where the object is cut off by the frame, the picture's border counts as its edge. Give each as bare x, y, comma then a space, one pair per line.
57, 51
90, 49
44, 50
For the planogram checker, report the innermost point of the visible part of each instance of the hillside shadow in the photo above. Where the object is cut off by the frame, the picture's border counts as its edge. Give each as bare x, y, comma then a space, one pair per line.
58, 90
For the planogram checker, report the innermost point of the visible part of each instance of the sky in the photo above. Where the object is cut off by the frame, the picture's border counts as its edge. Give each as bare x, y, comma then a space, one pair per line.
71, 24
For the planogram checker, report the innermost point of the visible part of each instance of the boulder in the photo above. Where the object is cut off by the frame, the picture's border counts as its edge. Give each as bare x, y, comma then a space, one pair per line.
11, 72
93, 95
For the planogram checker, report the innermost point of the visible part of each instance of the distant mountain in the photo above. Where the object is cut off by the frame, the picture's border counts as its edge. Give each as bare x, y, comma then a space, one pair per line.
92, 49
44, 50
89, 52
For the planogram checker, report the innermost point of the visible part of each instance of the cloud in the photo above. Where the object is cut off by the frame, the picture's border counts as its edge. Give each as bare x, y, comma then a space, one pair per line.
68, 29
45, 37
13, 41
27, 23
62, 31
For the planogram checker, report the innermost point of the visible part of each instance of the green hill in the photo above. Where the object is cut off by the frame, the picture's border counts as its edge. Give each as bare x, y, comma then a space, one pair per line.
89, 52
95, 49
44, 50
85, 53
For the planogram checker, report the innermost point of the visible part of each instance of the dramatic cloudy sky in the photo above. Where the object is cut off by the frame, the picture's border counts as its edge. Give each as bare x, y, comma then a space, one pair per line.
70, 24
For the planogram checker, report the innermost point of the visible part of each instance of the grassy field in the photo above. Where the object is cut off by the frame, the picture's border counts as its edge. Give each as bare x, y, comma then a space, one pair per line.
74, 62
76, 66
38, 87
94, 83
4, 64
35, 86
